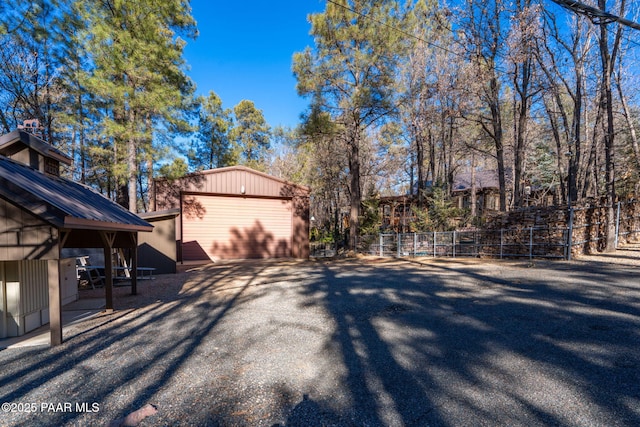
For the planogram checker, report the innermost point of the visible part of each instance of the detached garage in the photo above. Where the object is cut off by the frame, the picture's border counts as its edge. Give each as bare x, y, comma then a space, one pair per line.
236, 213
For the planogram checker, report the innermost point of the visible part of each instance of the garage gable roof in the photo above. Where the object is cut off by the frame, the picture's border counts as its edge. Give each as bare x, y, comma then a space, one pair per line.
230, 180
257, 173
63, 203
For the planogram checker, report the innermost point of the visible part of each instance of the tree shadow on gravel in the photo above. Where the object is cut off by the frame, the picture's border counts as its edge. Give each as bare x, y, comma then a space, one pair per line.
354, 343
127, 357
310, 413
373, 373
447, 344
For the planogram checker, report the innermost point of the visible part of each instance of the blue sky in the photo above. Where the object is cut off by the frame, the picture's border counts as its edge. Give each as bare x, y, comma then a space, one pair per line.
245, 49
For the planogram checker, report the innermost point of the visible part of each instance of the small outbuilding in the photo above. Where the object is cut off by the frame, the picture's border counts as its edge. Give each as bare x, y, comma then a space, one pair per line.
41, 213
236, 213
158, 250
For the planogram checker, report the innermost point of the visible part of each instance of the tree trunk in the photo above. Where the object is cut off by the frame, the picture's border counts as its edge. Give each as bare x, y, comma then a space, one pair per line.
590, 181
575, 143
448, 141
520, 143
559, 158
432, 158
632, 129
498, 139
122, 195
606, 99
146, 202
354, 186
132, 166
82, 142
474, 200
419, 139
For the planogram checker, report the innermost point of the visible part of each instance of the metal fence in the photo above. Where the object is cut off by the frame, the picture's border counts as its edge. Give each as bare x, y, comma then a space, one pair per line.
322, 249
519, 242
512, 243
627, 220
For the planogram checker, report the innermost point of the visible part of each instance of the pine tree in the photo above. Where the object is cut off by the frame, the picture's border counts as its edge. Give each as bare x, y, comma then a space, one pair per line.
250, 135
350, 74
211, 148
31, 39
138, 72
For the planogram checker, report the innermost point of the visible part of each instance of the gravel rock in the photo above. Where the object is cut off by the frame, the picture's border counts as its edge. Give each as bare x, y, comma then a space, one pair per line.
355, 342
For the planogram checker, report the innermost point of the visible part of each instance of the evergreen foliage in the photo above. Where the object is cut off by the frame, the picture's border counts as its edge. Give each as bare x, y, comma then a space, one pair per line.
250, 137
350, 75
402, 95
212, 147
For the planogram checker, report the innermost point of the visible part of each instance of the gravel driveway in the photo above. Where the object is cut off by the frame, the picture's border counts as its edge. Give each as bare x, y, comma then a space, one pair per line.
362, 342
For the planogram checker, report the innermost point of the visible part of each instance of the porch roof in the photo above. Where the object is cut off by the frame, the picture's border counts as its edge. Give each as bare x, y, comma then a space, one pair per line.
65, 204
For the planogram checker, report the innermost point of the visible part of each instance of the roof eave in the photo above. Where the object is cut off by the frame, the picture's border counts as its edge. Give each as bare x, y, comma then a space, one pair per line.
87, 224
36, 144
156, 215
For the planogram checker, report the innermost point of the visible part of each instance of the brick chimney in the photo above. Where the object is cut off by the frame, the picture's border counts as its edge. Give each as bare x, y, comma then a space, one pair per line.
33, 127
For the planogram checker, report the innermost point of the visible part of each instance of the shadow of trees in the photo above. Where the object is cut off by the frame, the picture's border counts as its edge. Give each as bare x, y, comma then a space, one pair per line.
152, 346
300, 233
168, 192
254, 242
445, 343
309, 412
417, 341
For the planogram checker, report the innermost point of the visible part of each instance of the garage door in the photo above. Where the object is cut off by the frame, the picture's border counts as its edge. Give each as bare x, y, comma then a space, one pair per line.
220, 227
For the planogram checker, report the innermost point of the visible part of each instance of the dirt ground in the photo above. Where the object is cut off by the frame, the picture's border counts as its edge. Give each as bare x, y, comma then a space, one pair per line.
351, 342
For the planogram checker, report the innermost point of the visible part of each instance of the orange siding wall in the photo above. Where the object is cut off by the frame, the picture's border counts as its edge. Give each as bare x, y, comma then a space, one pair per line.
237, 228
225, 209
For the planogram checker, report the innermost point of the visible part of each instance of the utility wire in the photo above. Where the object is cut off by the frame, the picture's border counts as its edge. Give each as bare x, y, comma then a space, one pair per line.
597, 16
393, 28
444, 49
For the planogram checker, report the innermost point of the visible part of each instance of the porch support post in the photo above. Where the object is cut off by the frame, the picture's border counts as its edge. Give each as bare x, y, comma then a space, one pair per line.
134, 264
55, 302
107, 240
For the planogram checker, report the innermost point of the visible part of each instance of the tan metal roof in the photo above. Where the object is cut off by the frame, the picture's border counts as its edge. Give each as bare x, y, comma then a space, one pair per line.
63, 203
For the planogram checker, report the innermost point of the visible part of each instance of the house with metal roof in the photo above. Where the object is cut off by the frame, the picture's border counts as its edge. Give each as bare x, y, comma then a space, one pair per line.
41, 213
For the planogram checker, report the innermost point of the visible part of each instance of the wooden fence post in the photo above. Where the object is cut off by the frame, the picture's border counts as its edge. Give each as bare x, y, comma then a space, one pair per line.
570, 234
530, 244
617, 226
